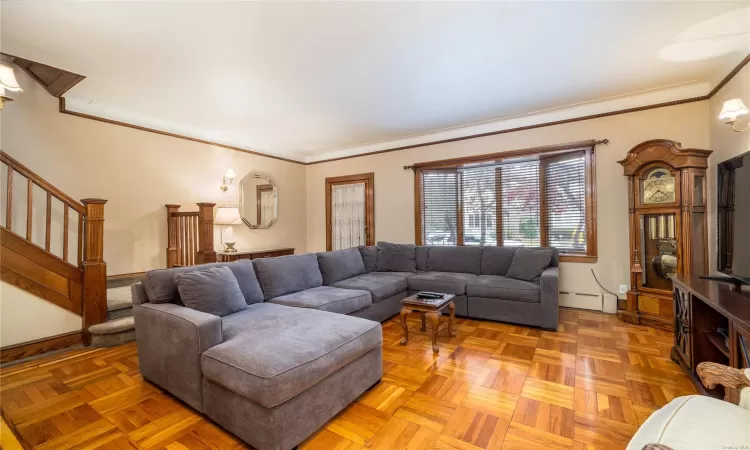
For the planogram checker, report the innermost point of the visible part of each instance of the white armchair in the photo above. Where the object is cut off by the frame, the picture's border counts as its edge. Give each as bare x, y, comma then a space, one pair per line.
700, 422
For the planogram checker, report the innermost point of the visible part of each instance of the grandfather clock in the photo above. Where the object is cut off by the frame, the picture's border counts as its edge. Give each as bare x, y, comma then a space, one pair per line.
667, 200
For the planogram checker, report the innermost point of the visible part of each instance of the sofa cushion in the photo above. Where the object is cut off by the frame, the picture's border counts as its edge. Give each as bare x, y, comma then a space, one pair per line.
287, 274
695, 421
395, 257
327, 298
379, 285
272, 352
161, 286
213, 290
497, 260
369, 257
529, 263
455, 259
443, 282
339, 265
495, 286
420, 255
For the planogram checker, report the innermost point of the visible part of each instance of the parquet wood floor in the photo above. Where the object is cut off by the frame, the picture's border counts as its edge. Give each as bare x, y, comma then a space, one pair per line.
587, 386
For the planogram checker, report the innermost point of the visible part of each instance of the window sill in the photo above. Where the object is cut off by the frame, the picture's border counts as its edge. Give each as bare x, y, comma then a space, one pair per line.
579, 258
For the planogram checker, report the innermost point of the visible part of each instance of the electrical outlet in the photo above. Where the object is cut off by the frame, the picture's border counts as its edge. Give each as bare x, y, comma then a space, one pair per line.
623, 289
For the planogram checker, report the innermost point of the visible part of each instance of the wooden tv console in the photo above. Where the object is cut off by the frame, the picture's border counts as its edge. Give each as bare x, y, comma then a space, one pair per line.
700, 307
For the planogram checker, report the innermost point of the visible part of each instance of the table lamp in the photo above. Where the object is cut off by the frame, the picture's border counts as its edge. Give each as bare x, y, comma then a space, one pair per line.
227, 215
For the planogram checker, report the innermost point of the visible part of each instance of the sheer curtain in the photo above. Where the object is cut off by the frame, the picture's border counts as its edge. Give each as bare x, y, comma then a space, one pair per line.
348, 215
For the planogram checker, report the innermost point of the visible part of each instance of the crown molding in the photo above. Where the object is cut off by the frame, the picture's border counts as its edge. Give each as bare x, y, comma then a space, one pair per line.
689, 93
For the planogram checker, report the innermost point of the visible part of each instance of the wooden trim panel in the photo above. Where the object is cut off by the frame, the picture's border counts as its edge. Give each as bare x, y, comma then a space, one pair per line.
369, 180
39, 346
56, 81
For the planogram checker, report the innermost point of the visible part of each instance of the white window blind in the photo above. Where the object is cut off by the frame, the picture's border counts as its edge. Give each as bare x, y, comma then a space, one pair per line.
440, 207
520, 204
565, 202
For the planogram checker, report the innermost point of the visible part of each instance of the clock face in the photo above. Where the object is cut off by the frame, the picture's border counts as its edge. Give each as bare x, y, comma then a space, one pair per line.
658, 187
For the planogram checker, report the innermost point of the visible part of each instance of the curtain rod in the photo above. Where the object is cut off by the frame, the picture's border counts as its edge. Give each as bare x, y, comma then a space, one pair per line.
544, 149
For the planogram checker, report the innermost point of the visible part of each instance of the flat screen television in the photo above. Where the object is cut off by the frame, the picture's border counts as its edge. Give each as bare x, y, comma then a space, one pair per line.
733, 217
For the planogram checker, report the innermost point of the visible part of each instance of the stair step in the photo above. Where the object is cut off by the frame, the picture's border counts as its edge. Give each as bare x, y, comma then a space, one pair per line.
113, 332
119, 313
113, 326
119, 298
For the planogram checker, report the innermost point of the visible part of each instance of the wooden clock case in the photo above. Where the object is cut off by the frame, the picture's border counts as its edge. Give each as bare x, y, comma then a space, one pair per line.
683, 231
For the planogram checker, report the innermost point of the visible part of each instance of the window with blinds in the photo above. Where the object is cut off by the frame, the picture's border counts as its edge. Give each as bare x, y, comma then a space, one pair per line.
440, 207
565, 202
530, 201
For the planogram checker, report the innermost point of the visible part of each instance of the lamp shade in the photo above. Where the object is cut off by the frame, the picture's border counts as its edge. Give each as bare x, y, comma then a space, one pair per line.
732, 109
8, 78
227, 215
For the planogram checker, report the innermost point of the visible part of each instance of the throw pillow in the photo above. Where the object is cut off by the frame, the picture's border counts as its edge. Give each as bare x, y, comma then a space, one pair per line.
396, 257
529, 263
214, 291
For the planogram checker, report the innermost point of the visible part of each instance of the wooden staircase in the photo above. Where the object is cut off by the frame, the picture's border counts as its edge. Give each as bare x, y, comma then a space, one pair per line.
72, 275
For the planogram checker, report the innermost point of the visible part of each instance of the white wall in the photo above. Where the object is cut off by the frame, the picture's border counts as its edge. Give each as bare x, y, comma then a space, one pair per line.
725, 144
394, 186
25, 317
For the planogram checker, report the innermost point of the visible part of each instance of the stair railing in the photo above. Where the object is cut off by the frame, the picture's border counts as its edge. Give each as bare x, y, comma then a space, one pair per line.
88, 276
190, 235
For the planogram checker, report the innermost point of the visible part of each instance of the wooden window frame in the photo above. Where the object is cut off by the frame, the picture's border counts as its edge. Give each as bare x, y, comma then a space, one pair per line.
369, 180
591, 255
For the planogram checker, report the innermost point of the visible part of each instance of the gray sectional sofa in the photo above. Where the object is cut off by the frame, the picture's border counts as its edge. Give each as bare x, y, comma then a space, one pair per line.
298, 349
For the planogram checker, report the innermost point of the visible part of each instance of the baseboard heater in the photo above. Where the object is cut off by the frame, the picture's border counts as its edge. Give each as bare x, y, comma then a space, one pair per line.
584, 300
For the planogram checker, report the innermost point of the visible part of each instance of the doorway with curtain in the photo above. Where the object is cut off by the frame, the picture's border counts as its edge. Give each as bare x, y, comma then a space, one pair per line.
350, 211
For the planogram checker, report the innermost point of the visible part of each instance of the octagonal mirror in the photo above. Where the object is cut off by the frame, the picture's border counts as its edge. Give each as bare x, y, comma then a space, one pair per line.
259, 201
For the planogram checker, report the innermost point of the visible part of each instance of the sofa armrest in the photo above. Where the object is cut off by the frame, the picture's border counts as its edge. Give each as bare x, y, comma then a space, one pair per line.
170, 341
548, 297
712, 374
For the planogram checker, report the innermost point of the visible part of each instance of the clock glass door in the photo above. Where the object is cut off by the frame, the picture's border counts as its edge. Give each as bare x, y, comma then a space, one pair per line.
658, 245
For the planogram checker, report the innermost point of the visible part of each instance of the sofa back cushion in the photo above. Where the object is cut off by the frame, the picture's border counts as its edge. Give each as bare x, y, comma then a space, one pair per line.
455, 259
287, 274
340, 265
497, 260
161, 286
395, 257
420, 254
529, 263
213, 290
369, 257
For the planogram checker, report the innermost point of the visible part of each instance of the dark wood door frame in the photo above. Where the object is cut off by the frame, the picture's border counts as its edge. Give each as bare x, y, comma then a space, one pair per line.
369, 180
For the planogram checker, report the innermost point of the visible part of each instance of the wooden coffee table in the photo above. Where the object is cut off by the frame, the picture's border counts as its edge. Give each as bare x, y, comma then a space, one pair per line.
431, 309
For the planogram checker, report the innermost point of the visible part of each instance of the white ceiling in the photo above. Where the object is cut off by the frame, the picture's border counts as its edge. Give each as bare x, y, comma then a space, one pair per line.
313, 80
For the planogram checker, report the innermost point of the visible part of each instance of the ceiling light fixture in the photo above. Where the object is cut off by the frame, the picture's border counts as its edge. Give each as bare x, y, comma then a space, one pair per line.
7, 81
731, 111
227, 180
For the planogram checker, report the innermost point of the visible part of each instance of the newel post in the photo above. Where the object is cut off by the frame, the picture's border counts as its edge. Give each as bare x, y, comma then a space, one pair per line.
172, 247
94, 267
206, 252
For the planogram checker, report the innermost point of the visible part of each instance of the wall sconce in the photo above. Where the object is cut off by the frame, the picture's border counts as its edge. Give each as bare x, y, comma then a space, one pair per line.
731, 111
227, 180
7, 81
